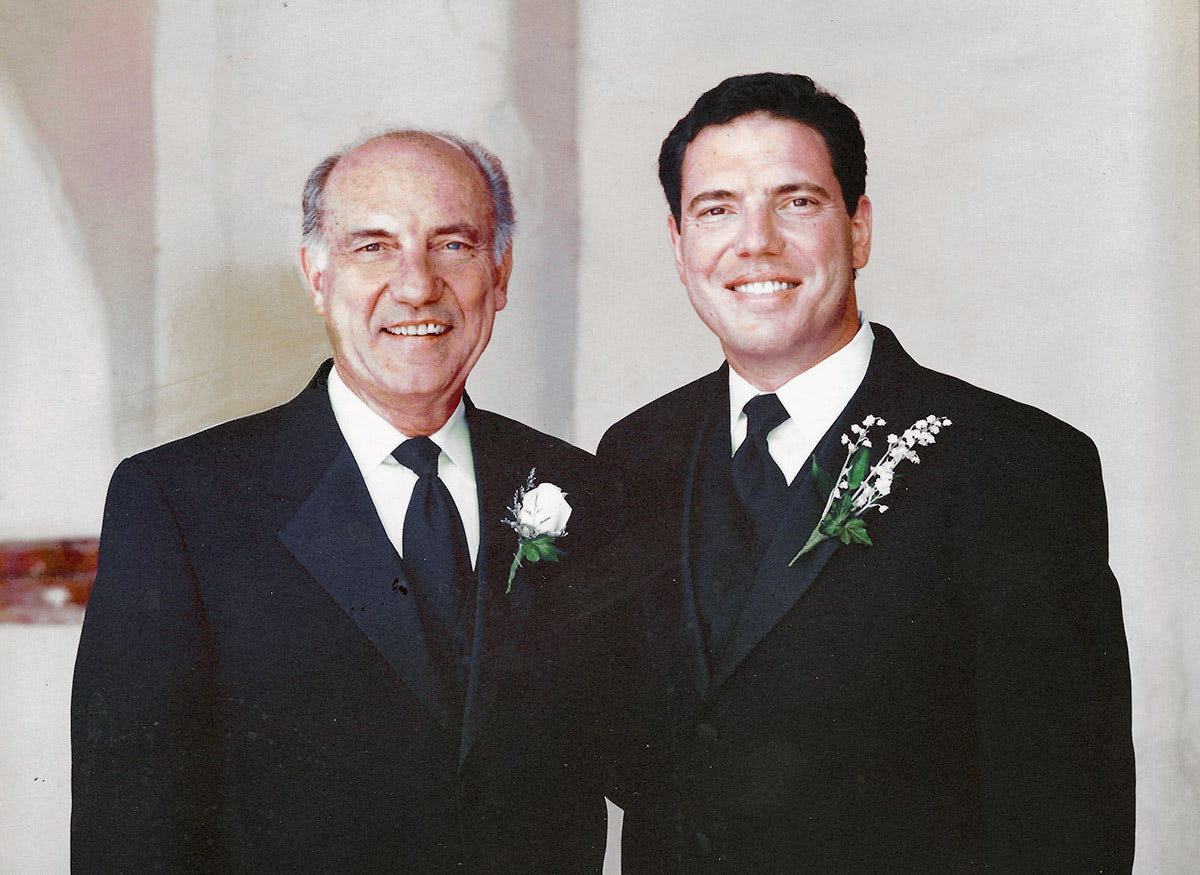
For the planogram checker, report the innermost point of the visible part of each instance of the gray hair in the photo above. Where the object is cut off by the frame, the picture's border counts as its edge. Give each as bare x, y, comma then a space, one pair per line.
313, 201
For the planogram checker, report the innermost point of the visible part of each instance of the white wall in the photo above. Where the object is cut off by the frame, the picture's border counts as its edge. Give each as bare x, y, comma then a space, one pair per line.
1033, 171
35, 747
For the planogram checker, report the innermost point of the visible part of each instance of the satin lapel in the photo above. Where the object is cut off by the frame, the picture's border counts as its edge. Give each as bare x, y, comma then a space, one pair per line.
335, 533
778, 585
499, 616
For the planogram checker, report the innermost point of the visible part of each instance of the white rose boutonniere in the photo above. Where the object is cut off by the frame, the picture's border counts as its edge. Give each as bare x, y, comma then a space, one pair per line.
859, 487
538, 514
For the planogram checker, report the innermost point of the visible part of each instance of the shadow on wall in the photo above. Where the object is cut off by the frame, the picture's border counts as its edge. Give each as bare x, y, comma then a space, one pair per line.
238, 340
57, 388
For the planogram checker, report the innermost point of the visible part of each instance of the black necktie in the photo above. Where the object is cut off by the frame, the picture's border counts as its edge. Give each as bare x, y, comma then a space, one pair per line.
435, 550
758, 481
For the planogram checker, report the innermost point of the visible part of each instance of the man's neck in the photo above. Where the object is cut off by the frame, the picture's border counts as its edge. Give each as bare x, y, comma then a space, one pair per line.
766, 374
418, 417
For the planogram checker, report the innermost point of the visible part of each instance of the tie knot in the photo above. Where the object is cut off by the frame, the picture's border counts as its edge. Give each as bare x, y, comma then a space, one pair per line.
763, 413
419, 454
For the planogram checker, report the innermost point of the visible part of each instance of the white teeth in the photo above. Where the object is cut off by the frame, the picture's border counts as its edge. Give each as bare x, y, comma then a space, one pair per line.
418, 330
766, 287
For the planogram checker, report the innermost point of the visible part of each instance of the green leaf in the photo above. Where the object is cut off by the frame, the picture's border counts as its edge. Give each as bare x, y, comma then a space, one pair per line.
823, 479
512, 570
859, 465
844, 536
815, 538
831, 524
540, 548
859, 534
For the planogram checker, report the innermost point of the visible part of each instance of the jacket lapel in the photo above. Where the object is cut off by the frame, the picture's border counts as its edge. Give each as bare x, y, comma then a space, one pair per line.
499, 616
336, 535
778, 586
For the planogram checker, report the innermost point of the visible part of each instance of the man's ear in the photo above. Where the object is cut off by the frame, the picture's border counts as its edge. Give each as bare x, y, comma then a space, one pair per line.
503, 272
313, 268
677, 245
860, 233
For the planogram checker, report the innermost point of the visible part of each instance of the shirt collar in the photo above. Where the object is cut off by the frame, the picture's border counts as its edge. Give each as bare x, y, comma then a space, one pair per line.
372, 438
816, 395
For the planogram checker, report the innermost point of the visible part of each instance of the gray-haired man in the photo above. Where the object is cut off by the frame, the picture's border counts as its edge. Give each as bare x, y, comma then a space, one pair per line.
302, 652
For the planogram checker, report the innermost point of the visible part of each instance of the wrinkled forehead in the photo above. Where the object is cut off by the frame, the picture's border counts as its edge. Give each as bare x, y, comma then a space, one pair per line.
413, 173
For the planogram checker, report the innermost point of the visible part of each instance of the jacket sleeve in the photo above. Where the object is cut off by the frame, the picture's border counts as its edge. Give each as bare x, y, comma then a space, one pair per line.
629, 559
1052, 669
143, 725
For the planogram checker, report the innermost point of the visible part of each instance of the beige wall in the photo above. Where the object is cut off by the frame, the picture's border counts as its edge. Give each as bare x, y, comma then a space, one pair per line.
1034, 171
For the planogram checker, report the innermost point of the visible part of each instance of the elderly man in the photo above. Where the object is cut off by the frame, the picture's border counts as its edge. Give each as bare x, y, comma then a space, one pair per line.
941, 688
311, 645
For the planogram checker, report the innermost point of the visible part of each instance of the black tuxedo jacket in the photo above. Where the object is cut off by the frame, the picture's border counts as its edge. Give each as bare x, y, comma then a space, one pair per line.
953, 698
253, 691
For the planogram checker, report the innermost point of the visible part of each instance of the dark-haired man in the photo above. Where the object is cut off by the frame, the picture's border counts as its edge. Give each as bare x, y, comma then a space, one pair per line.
943, 687
306, 650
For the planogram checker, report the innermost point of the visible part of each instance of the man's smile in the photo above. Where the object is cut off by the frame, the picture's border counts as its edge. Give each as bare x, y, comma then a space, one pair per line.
419, 329
763, 287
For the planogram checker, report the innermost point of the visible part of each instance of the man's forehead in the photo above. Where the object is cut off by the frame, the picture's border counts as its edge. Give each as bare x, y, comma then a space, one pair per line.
413, 167
755, 141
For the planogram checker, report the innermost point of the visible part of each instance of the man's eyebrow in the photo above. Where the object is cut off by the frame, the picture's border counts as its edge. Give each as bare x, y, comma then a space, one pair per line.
466, 229
793, 187
721, 194
366, 234
713, 194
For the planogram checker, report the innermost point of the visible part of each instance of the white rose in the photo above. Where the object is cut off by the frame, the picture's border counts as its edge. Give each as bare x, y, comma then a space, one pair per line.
544, 510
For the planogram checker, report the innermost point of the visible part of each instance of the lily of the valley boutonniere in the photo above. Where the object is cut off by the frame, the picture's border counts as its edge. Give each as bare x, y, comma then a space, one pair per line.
538, 514
859, 486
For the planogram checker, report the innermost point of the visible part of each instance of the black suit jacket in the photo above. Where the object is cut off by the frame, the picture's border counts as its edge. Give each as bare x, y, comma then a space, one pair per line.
253, 691
954, 698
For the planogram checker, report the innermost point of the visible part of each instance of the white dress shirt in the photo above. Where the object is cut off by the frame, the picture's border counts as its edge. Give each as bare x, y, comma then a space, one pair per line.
813, 400
372, 439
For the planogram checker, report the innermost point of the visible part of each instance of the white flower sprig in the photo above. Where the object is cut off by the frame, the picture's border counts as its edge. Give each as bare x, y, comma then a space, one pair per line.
538, 514
859, 486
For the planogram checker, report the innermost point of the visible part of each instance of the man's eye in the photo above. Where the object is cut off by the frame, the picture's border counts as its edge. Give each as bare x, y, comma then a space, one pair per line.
802, 202
371, 247
456, 245
714, 211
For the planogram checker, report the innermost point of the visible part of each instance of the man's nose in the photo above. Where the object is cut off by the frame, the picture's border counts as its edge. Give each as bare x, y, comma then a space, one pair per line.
414, 281
759, 233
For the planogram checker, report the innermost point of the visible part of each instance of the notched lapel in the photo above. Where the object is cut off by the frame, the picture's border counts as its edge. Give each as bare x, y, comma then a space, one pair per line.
336, 535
